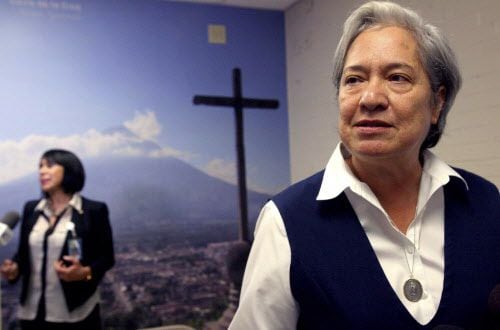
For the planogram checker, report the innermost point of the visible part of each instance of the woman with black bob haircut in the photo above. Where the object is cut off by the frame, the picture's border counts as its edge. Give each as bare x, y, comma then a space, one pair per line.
74, 174
65, 248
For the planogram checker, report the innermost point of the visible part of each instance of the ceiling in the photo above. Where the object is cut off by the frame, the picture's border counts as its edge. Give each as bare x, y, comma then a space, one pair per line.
262, 4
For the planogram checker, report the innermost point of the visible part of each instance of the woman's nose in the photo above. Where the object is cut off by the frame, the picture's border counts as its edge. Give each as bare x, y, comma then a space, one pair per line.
374, 97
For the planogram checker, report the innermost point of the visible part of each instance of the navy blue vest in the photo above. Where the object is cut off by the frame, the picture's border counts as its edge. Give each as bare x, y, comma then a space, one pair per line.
339, 284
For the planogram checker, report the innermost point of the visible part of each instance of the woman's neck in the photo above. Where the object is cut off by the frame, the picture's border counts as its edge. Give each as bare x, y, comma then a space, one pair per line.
396, 186
387, 175
58, 201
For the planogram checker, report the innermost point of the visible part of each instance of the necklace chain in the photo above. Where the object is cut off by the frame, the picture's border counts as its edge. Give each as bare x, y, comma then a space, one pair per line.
412, 287
416, 246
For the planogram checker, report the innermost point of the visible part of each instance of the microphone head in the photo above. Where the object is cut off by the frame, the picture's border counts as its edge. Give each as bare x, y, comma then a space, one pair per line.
10, 219
494, 300
236, 260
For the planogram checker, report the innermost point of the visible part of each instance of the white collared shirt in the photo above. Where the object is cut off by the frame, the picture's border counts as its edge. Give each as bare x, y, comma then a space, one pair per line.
55, 302
266, 300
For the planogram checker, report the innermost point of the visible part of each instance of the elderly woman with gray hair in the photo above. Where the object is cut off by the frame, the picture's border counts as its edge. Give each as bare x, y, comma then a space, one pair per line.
388, 236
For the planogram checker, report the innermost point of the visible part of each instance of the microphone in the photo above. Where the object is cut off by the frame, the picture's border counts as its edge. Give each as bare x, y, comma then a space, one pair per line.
494, 300
236, 260
494, 304
7, 224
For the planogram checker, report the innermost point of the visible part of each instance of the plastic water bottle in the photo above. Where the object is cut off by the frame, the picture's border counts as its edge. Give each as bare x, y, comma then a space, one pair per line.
74, 243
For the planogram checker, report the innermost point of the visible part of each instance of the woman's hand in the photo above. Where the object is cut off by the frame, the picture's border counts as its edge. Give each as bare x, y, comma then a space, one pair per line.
9, 269
72, 272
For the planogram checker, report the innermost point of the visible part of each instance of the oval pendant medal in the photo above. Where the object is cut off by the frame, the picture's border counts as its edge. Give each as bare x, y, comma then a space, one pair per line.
413, 290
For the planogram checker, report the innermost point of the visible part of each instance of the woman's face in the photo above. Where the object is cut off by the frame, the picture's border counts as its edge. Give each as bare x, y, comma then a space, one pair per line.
51, 176
385, 99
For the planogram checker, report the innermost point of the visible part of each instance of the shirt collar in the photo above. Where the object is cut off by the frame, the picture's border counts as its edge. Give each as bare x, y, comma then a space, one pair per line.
75, 202
338, 176
439, 170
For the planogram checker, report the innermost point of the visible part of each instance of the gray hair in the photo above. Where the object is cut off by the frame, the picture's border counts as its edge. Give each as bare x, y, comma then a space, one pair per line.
436, 56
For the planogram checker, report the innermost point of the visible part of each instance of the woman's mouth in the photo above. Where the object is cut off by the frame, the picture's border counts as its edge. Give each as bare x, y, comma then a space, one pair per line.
370, 127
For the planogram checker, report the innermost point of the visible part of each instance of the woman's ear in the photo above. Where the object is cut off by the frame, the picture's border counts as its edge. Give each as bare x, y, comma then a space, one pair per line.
438, 105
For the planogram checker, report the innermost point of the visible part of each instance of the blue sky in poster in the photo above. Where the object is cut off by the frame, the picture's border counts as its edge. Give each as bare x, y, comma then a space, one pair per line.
74, 73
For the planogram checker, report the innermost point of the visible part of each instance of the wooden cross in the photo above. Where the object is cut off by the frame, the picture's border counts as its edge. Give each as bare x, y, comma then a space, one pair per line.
238, 103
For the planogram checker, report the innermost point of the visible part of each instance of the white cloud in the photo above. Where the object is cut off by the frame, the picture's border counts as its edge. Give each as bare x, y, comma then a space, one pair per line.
128, 151
221, 169
20, 157
169, 152
144, 125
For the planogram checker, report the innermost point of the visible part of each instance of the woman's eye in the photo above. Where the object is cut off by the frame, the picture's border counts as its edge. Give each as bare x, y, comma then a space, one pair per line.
399, 78
351, 80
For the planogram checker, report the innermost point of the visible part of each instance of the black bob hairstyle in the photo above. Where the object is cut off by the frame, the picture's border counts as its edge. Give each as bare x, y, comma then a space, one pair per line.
74, 174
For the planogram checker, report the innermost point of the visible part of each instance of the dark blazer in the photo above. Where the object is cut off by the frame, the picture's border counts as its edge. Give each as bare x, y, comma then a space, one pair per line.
94, 229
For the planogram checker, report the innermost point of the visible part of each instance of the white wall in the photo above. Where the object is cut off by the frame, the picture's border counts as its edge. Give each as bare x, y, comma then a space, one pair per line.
472, 136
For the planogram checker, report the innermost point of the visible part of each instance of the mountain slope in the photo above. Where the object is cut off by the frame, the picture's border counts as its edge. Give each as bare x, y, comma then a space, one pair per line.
144, 192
